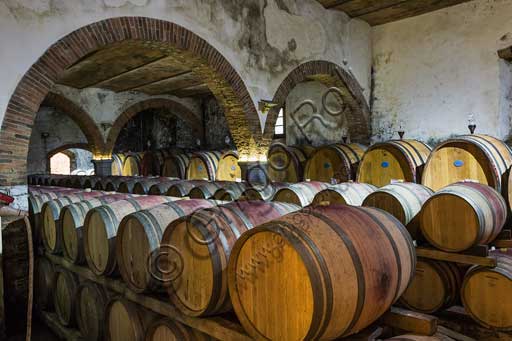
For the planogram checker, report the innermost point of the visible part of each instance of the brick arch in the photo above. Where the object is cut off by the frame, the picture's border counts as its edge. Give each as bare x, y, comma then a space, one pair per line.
65, 147
331, 75
177, 109
219, 75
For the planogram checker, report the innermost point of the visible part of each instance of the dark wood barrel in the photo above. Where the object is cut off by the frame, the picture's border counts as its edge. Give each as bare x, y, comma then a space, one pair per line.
132, 164
176, 166
347, 193
117, 164
91, 300
182, 189
230, 192
91, 182
228, 168
463, 215
404, 201
112, 184
44, 284
69, 181
64, 296
264, 192
167, 330
142, 186
149, 165
204, 241
287, 272
138, 238
127, 185
205, 191
100, 230
203, 166
401, 160
334, 163
285, 163
434, 287
55, 180
301, 194
72, 219
126, 321
161, 188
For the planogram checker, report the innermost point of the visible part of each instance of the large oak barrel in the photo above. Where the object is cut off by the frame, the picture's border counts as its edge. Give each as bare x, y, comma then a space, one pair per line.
176, 166
167, 330
142, 186
203, 166
228, 169
127, 321
347, 193
230, 192
64, 296
463, 215
285, 163
161, 188
435, 286
44, 284
263, 192
204, 241
38, 190
100, 230
205, 191
393, 160
402, 200
481, 158
117, 164
55, 180
150, 164
93, 182
301, 194
182, 189
334, 163
112, 184
320, 273
132, 164
138, 238
72, 219
487, 294
91, 300
127, 185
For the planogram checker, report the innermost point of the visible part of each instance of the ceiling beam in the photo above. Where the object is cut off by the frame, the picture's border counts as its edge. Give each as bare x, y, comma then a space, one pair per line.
191, 91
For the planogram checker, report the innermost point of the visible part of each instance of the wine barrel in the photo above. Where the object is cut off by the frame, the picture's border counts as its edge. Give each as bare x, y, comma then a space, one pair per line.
393, 160
127, 321
204, 241
230, 192
69, 181
481, 158
117, 164
64, 296
404, 201
44, 284
265, 193
72, 219
319, 274
92, 182
463, 215
38, 190
138, 238
127, 185
112, 184
142, 186
205, 191
301, 194
176, 166
182, 189
161, 188
228, 168
285, 163
167, 330
91, 300
203, 166
100, 230
486, 294
50, 212
132, 164
149, 165
55, 180
434, 287
347, 193
334, 163
415, 338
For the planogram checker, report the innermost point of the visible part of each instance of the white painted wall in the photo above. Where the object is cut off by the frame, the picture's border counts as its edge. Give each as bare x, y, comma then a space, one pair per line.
431, 71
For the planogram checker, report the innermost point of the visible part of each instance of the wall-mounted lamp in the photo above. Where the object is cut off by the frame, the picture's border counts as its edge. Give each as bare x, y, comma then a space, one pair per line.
471, 123
401, 130
264, 106
105, 126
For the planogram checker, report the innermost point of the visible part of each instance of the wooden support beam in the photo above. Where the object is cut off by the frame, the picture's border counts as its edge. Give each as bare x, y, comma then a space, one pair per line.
430, 253
410, 321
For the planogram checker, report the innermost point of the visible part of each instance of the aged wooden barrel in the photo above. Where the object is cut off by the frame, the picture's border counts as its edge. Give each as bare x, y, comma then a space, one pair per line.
91, 300
481, 158
264, 192
92, 182
393, 160
334, 163
205, 191
126, 186
176, 166
44, 284
138, 238
149, 164
64, 296
228, 168
463, 215
142, 186
72, 219
117, 164
301, 194
285, 163
182, 189
161, 188
127, 321
231, 192
435, 286
55, 180
325, 272
404, 201
38, 190
168, 330
415, 338
203, 166
486, 295
112, 184
100, 230
132, 164
347, 193
204, 241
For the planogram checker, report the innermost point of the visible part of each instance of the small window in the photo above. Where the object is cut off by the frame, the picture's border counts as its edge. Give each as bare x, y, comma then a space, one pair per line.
279, 130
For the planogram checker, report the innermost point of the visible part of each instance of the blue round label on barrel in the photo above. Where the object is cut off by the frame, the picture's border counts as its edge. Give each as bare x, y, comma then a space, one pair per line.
384, 164
327, 165
233, 167
199, 168
458, 163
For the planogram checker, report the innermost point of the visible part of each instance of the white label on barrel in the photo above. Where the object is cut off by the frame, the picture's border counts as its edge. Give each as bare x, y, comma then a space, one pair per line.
238, 180
396, 181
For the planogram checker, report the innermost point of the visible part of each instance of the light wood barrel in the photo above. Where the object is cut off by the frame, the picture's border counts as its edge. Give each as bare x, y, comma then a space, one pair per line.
393, 160
285, 163
204, 240
142, 186
301, 194
334, 163
228, 168
132, 164
203, 166
72, 219
182, 189
44, 284
161, 188
100, 230
404, 201
434, 287
230, 192
347, 193
481, 158
486, 294
117, 164
138, 239
91, 300
64, 296
321, 273
176, 166
167, 330
205, 191
463, 215
127, 321
265, 192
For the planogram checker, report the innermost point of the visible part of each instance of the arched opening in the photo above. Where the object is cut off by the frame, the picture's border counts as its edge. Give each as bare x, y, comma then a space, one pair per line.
73, 159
